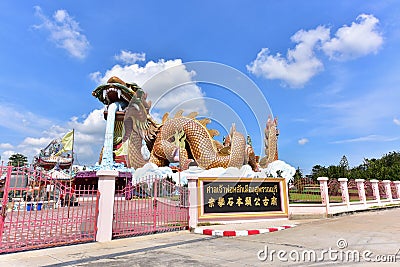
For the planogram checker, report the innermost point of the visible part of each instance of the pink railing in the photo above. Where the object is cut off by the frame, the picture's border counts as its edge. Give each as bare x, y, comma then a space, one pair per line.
307, 191
151, 205
382, 191
353, 190
304, 191
334, 191
38, 211
369, 191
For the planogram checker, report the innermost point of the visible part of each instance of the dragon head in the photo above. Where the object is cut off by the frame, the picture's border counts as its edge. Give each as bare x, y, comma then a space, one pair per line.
116, 90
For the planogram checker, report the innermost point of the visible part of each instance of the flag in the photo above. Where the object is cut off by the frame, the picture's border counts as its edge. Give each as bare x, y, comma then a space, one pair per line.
122, 150
67, 142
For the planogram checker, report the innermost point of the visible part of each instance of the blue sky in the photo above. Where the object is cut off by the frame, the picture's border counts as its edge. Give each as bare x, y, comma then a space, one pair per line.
327, 69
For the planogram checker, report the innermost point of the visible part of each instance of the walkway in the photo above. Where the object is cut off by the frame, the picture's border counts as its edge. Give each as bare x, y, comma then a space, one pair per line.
374, 233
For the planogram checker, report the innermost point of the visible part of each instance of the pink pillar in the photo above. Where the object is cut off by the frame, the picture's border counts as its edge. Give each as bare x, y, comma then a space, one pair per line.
397, 184
388, 190
375, 190
361, 191
193, 201
345, 191
106, 204
323, 185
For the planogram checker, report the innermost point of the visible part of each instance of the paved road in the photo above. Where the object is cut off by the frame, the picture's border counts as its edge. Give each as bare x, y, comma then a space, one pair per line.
339, 240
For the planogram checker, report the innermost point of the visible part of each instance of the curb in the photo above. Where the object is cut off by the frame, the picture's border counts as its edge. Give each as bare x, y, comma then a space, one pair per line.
240, 232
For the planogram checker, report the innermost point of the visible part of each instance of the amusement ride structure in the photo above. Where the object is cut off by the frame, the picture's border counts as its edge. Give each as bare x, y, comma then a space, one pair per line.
57, 154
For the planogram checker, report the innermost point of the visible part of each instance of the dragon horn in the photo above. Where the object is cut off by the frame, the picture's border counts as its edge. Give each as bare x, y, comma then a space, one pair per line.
115, 79
165, 118
233, 128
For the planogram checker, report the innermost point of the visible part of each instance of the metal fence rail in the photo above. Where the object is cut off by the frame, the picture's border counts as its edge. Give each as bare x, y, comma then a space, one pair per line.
334, 191
382, 191
38, 211
149, 206
304, 191
353, 190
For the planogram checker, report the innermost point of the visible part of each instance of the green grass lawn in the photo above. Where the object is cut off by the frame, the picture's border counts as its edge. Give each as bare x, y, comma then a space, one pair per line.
295, 197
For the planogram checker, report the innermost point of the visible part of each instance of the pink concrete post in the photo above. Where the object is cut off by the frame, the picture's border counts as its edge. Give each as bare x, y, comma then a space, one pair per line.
361, 191
106, 204
375, 190
397, 184
323, 185
193, 201
345, 191
388, 190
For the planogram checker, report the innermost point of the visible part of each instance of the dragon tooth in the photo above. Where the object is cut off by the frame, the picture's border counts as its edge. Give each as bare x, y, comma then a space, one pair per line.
104, 94
119, 93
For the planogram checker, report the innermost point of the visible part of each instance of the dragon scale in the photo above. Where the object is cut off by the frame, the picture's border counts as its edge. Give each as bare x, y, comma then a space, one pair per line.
201, 146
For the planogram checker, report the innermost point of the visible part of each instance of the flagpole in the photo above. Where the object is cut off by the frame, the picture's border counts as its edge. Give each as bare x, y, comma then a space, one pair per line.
70, 170
72, 155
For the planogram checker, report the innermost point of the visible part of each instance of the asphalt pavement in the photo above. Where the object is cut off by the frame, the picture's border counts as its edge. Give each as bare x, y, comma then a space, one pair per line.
369, 238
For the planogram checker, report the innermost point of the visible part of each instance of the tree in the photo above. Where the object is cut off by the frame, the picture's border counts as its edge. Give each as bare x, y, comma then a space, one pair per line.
318, 171
298, 180
17, 160
385, 168
298, 174
344, 166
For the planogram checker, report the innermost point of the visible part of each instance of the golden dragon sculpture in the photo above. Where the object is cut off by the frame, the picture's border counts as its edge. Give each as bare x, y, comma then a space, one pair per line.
271, 142
183, 139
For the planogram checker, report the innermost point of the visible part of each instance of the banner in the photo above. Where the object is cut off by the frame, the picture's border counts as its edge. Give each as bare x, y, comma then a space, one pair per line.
67, 141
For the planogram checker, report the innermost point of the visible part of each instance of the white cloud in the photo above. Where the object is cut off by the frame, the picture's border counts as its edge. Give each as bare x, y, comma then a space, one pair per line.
167, 82
300, 63
368, 138
396, 121
128, 57
93, 123
6, 146
35, 142
22, 120
64, 32
359, 39
303, 141
7, 150
5, 155
89, 138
